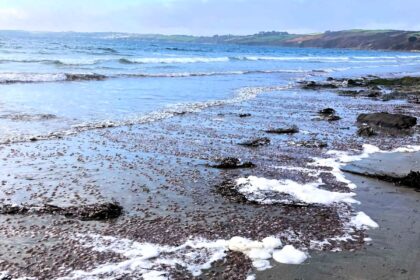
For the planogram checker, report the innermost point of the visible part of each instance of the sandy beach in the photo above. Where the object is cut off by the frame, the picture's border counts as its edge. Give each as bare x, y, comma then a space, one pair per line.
124, 157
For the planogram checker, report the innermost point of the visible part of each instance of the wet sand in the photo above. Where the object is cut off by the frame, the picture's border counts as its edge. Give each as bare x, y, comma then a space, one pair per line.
393, 252
159, 173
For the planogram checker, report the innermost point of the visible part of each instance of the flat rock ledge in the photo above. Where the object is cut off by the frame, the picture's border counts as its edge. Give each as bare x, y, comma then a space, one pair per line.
394, 121
402, 169
93, 212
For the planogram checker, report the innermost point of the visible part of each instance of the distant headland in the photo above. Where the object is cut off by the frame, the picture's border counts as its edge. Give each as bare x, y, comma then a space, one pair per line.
395, 40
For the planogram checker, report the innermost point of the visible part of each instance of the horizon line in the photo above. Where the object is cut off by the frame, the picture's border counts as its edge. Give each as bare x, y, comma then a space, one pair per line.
191, 35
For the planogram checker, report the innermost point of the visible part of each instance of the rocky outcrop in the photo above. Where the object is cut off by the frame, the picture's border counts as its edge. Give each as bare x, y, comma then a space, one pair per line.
98, 212
232, 163
402, 169
386, 120
329, 114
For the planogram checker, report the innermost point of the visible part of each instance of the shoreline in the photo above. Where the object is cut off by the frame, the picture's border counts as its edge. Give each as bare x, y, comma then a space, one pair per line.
165, 185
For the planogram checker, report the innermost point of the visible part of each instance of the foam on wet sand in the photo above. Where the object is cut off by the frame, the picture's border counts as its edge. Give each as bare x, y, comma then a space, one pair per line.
153, 261
256, 189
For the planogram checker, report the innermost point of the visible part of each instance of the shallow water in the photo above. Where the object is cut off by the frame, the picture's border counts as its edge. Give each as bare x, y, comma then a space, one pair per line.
124, 79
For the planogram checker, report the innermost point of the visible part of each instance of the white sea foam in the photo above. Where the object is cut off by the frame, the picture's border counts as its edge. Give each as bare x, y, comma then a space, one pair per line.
182, 60
342, 158
361, 220
309, 171
331, 59
289, 255
173, 60
61, 61
251, 277
207, 59
31, 77
294, 58
152, 261
9, 78
148, 260
261, 190
204, 74
23, 77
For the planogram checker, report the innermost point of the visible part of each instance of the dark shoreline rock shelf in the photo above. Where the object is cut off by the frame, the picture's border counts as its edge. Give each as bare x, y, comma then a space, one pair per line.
399, 168
232, 163
383, 119
92, 212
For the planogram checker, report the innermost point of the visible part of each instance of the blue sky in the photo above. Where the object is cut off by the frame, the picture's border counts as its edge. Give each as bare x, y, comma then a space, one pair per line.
208, 17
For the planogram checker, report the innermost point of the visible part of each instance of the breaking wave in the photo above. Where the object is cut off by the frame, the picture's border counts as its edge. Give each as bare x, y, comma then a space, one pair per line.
172, 60
12, 78
204, 59
203, 74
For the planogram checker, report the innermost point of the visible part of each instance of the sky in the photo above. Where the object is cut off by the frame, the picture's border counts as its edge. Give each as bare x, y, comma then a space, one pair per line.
208, 17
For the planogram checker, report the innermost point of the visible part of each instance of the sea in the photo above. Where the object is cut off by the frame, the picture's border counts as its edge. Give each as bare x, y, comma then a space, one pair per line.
55, 84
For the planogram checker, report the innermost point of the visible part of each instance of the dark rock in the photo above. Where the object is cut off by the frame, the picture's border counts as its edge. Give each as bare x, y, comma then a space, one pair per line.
404, 81
399, 168
85, 77
414, 100
333, 118
395, 121
366, 131
354, 83
6, 276
411, 180
329, 114
245, 115
373, 93
232, 163
256, 142
12, 209
96, 212
228, 190
286, 130
352, 93
312, 85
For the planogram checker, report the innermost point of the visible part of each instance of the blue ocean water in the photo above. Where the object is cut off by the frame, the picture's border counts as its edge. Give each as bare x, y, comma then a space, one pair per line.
93, 80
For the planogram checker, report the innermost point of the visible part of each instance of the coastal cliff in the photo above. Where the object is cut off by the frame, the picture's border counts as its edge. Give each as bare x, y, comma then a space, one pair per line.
351, 39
